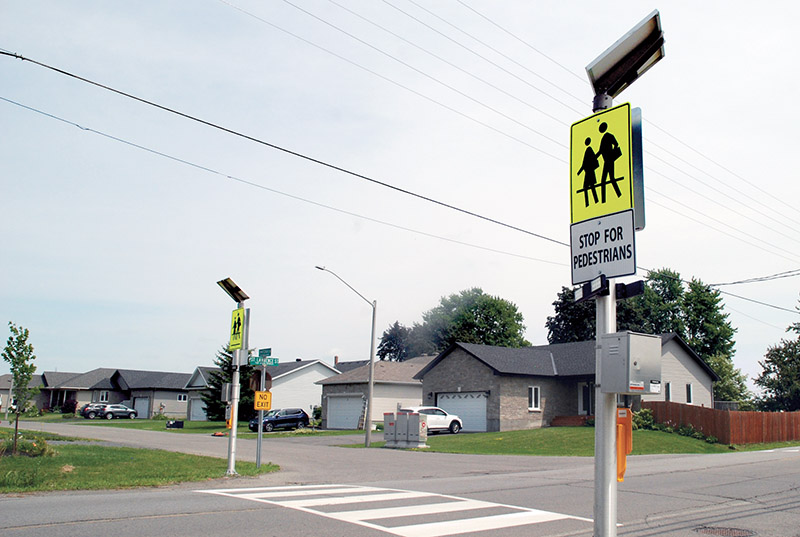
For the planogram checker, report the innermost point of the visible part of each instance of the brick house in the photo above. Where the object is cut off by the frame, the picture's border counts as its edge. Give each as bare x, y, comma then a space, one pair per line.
501, 389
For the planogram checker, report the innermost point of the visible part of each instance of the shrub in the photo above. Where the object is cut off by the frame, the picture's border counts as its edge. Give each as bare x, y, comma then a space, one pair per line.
69, 406
160, 416
643, 419
29, 446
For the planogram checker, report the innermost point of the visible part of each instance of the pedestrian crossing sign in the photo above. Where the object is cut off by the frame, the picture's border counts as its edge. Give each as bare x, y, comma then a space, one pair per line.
237, 329
601, 164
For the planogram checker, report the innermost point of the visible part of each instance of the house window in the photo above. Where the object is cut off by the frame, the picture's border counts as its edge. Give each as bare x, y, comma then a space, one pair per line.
668, 391
534, 398
183, 397
104, 396
689, 394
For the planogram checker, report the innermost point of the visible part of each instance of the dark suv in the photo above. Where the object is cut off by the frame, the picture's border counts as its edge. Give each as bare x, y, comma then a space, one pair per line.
292, 418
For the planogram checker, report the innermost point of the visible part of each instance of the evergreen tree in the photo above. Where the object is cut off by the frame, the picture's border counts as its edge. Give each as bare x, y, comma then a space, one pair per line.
394, 343
212, 396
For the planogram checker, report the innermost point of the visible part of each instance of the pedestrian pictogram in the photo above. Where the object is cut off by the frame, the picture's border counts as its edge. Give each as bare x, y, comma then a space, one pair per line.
237, 326
600, 164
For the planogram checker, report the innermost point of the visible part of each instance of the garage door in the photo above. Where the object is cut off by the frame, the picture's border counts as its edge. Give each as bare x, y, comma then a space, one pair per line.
142, 407
469, 406
344, 412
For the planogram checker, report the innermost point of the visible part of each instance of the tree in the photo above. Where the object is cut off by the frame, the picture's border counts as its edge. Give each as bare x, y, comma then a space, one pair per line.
780, 375
212, 396
667, 305
394, 343
732, 383
571, 322
708, 331
472, 316
19, 355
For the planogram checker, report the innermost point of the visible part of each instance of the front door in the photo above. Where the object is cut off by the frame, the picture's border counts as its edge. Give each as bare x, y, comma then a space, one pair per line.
586, 398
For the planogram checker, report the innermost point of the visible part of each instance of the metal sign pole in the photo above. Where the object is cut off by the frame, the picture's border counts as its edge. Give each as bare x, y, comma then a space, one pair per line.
605, 438
236, 389
261, 417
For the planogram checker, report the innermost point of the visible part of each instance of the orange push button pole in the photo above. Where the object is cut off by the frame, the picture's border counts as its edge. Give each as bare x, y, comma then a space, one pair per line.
624, 440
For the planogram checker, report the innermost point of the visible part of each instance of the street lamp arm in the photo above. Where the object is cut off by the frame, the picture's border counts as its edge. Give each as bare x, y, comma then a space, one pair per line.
348, 285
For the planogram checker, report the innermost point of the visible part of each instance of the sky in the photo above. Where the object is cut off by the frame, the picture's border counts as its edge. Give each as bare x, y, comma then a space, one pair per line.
119, 217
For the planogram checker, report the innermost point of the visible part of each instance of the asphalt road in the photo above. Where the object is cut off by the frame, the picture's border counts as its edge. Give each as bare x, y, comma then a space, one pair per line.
327, 490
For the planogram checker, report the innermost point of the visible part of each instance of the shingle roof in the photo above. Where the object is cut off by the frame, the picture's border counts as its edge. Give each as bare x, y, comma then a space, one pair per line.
557, 360
52, 379
344, 367
287, 367
139, 380
84, 381
384, 372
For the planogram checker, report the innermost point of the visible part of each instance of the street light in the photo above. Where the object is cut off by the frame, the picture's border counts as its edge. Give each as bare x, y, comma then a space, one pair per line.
238, 296
374, 304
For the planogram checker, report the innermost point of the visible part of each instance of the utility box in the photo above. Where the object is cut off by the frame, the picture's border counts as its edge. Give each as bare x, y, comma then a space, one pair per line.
417, 430
401, 428
630, 363
405, 430
389, 426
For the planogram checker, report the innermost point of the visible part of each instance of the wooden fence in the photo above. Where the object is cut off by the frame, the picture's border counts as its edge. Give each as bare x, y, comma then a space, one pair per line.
729, 427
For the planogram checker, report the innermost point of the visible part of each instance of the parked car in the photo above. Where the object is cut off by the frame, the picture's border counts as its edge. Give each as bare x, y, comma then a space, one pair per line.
90, 410
116, 411
438, 420
292, 418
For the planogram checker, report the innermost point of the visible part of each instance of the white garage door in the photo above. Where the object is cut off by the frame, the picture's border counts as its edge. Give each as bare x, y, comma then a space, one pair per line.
344, 412
142, 407
469, 406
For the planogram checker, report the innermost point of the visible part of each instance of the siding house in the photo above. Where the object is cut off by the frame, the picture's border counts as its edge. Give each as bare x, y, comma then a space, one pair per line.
501, 389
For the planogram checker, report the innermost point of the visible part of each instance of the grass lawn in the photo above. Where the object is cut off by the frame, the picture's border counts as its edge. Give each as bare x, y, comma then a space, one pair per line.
78, 466
189, 427
572, 442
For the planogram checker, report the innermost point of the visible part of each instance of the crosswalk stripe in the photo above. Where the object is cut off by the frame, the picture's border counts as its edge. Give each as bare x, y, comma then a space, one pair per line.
452, 527
296, 493
414, 510
315, 502
308, 497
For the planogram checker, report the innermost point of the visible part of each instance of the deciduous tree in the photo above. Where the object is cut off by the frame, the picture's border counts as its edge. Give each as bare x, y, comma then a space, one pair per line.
19, 355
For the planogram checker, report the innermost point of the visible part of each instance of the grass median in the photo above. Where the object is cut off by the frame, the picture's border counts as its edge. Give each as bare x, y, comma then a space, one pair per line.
86, 465
572, 442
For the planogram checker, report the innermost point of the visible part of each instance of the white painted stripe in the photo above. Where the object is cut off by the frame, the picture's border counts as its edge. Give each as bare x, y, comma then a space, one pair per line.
413, 510
313, 502
295, 493
452, 527
262, 489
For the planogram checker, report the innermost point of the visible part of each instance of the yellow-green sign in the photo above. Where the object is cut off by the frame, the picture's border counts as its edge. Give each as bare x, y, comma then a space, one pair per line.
237, 329
600, 164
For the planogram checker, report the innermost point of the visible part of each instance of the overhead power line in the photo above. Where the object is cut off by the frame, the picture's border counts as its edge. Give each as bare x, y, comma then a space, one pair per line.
302, 156
273, 190
284, 150
560, 159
